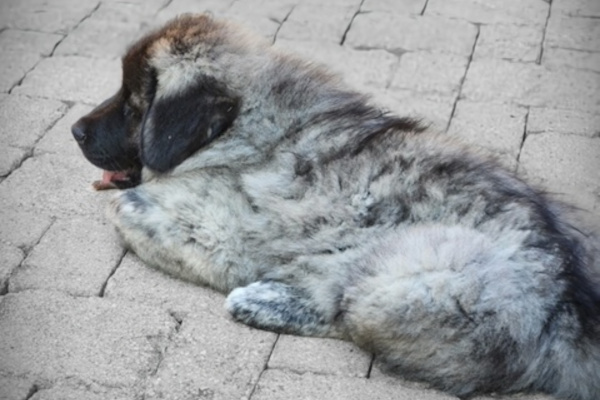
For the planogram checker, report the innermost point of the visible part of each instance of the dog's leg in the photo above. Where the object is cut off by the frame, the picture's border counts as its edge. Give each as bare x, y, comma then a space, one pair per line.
278, 307
185, 236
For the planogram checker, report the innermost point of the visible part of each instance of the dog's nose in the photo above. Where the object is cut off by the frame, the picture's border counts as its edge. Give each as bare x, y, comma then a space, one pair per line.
78, 130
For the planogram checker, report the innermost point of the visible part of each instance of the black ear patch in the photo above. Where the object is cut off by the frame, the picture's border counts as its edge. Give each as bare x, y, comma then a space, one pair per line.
178, 125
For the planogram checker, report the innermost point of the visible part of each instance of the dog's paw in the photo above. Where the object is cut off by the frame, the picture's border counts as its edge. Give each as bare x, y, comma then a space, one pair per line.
277, 307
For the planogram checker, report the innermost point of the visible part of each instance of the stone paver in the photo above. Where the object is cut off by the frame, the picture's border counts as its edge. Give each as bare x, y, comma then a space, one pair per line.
276, 384
89, 253
319, 356
81, 318
54, 336
498, 128
399, 33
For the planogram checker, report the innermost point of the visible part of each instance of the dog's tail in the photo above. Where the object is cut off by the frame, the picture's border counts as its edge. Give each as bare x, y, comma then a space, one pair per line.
572, 367
469, 315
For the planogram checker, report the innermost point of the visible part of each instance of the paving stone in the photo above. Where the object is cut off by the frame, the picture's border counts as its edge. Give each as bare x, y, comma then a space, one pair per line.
11, 158
498, 128
68, 390
361, 69
16, 388
276, 384
582, 8
211, 357
519, 12
548, 120
24, 120
262, 16
573, 33
400, 33
567, 165
73, 78
54, 185
328, 24
14, 66
54, 336
100, 38
394, 6
434, 111
75, 256
38, 43
530, 84
10, 257
439, 74
274, 10
19, 227
509, 42
137, 282
554, 57
320, 356
110, 29
177, 7
45, 16
59, 140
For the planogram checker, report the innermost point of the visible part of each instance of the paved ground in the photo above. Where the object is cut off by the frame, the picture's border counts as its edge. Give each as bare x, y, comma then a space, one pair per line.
80, 319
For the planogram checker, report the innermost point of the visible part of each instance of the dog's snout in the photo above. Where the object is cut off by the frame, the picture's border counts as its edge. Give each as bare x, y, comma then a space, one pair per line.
79, 131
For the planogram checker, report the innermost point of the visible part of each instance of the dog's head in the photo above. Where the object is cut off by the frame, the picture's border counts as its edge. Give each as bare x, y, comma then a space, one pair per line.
171, 103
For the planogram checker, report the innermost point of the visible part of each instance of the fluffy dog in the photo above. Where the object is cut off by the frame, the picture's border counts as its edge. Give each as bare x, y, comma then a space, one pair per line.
264, 177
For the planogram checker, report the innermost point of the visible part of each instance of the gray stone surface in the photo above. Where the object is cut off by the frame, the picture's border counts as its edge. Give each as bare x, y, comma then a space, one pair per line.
498, 128
516, 12
16, 388
14, 66
276, 384
363, 69
531, 84
28, 41
10, 257
422, 72
563, 121
134, 281
573, 33
78, 321
510, 42
69, 78
566, 165
90, 251
399, 33
211, 357
394, 6
56, 337
319, 356
327, 25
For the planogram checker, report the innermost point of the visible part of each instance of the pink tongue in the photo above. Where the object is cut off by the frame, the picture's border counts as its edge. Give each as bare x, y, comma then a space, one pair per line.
112, 176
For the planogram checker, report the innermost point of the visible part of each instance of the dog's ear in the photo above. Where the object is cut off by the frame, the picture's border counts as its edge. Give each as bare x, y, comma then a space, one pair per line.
176, 125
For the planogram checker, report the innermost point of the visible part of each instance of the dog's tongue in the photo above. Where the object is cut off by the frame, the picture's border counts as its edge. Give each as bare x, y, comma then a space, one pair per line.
109, 178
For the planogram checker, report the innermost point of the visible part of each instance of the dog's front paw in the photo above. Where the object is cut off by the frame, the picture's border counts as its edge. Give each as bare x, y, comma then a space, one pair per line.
277, 307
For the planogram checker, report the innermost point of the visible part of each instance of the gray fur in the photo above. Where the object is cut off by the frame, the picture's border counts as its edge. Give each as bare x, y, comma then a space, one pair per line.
322, 215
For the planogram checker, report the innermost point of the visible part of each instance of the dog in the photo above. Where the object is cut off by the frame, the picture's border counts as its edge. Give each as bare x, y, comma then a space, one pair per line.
263, 176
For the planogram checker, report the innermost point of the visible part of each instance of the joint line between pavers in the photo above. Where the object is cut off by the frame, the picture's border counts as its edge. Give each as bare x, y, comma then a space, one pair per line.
26, 251
368, 376
464, 77
281, 24
112, 272
524, 137
167, 4
87, 16
264, 367
424, 7
538, 60
350, 23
